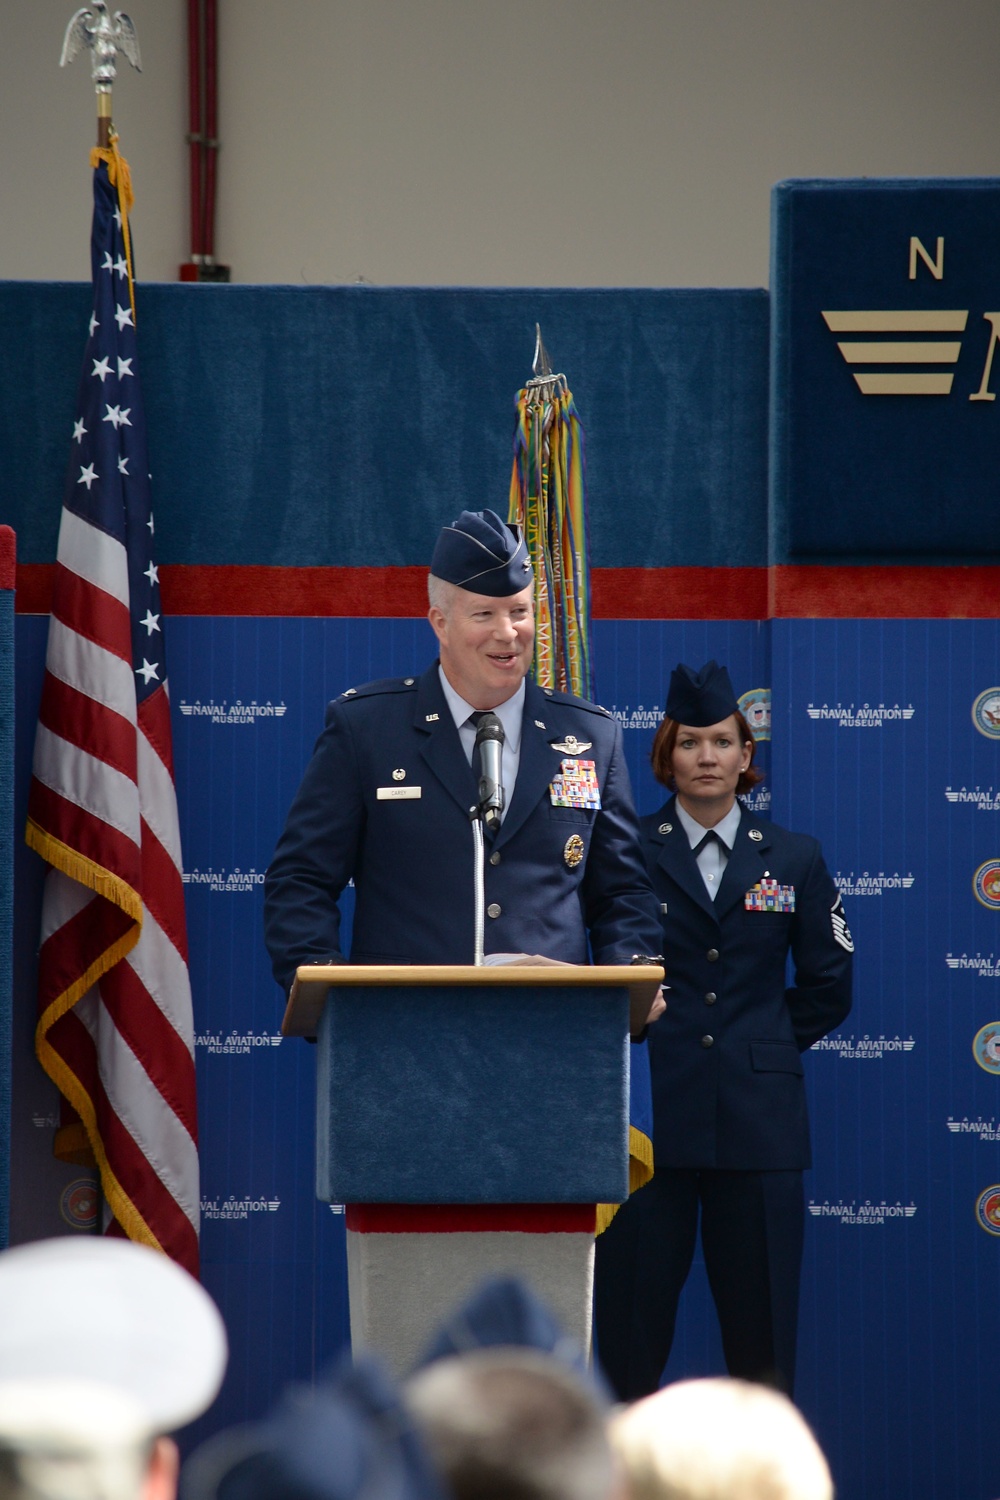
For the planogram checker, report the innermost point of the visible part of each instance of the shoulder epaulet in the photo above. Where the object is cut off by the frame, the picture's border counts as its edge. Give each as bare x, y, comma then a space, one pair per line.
569, 700
374, 689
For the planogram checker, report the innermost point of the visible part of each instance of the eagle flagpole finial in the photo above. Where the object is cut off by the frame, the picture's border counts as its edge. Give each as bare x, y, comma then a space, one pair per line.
106, 36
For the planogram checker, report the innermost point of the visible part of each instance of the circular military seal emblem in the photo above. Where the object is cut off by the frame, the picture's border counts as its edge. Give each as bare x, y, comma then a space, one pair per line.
988, 1209
986, 713
78, 1203
573, 852
986, 1047
755, 706
986, 884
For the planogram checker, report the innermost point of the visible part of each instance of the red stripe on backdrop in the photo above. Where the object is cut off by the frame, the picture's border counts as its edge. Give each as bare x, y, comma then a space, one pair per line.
92, 612
153, 1040
880, 593
169, 1224
478, 1218
80, 830
80, 719
804, 592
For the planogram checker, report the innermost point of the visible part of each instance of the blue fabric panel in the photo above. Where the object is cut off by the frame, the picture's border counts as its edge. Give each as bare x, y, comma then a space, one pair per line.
887, 478
341, 425
6, 893
503, 1094
894, 1352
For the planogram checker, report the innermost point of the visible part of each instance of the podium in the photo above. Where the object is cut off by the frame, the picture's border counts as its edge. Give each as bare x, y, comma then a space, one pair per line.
470, 1119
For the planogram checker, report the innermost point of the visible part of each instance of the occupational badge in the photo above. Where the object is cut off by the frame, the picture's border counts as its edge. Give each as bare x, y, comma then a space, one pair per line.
573, 852
575, 785
571, 745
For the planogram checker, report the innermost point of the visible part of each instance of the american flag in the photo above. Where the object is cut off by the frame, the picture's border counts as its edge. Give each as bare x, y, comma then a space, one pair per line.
115, 1028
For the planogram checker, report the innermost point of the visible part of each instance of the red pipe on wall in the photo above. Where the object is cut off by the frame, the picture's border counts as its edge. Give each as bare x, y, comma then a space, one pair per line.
211, 131
189, 271
203, 143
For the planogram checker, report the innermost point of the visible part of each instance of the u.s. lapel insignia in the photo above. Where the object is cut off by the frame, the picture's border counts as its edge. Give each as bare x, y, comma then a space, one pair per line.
571, 745
431, 718
573, 852
665, 828
756, 835
399, 774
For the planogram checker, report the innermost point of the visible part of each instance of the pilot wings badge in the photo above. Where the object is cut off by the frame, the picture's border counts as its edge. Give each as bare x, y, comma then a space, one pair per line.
571, 745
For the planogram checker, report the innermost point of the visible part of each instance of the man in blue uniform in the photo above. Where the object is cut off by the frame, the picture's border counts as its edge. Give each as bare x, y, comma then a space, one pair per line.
730, 1132
385, 799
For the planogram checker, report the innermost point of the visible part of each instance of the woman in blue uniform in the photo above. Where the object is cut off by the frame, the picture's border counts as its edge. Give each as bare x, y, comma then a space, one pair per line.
730, 1131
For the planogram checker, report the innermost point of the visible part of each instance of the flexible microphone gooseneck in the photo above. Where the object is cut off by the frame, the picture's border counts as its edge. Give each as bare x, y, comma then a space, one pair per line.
488, 751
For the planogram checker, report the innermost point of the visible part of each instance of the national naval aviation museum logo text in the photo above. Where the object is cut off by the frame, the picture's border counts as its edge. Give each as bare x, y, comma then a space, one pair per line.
230, 883
871, 885
863, 1214
860, 716
913, 351
863, 1049
983, 799
984, 966
236, 1043
238, 1208
233, 713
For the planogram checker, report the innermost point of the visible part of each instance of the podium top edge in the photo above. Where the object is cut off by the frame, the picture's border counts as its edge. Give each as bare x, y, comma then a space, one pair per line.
609, 975
314, 981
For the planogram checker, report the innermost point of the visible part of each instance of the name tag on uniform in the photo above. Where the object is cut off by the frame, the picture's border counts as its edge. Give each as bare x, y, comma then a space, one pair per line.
770, 896
398, 793
575, 785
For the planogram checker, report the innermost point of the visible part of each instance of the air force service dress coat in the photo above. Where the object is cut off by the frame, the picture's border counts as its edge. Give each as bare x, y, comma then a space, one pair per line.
728, 1086
385, 801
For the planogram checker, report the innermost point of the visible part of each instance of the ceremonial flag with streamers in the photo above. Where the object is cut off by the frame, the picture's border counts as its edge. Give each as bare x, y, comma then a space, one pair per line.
547, 500
115, 1028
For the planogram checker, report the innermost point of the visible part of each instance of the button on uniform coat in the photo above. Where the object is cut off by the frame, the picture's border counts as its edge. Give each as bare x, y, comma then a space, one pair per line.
728, 1086
411, 856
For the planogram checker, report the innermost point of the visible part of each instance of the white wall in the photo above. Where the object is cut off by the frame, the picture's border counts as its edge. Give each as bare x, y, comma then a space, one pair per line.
548, 142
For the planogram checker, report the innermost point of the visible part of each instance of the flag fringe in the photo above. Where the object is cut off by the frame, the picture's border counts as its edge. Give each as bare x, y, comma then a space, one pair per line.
115, 1196
640, 1171
87, 872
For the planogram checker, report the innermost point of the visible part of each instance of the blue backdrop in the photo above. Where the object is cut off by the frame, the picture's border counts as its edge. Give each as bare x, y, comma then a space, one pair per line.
338, 426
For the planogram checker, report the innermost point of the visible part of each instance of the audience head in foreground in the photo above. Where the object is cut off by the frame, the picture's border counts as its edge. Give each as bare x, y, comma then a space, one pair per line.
105, 1347
347, 1439
718, 1440
508, 1423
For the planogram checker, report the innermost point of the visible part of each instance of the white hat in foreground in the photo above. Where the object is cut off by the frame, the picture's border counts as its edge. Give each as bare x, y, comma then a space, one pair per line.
115, 1314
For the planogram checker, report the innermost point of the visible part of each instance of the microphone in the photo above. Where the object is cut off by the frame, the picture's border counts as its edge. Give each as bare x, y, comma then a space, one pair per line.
488, 749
